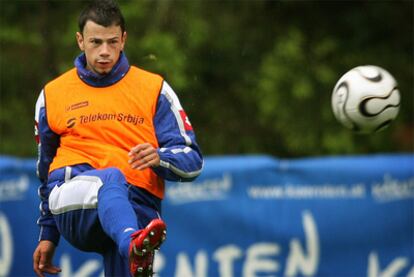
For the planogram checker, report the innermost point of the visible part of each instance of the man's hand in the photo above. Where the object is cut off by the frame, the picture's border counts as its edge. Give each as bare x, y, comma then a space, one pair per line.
143, 156
42, 259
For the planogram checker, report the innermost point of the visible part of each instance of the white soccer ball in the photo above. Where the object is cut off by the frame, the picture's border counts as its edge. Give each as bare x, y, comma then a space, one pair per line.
366, 99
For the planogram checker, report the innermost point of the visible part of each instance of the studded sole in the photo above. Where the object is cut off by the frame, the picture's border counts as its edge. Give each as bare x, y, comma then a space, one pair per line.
145, 242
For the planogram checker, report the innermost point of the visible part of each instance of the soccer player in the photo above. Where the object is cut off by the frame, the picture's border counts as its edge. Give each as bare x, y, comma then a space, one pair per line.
108, 136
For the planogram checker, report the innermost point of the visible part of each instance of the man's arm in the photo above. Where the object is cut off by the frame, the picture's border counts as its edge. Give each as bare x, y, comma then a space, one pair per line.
48, 142
179, 157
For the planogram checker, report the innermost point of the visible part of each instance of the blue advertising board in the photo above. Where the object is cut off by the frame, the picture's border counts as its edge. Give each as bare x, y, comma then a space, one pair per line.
251, 216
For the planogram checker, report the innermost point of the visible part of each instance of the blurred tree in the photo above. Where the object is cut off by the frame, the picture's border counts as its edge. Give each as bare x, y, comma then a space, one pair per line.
254, 76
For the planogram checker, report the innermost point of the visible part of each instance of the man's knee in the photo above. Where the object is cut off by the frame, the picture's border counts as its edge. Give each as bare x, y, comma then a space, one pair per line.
112, 176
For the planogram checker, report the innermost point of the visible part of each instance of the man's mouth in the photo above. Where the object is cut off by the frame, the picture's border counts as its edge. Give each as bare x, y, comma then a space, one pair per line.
104, 63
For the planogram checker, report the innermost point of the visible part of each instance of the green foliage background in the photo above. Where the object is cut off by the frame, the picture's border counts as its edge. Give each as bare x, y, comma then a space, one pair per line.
254, 76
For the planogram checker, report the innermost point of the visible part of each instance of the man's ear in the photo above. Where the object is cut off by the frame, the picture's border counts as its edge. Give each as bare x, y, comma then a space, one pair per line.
124, 37
80, 41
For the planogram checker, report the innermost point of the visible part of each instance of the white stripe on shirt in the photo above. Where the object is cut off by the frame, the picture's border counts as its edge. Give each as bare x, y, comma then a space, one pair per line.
169, 93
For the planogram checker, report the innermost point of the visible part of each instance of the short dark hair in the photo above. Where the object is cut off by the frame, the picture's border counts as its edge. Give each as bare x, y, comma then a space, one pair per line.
103, 12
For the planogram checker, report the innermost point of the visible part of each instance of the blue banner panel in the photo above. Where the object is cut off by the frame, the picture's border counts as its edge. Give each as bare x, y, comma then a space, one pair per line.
251, 216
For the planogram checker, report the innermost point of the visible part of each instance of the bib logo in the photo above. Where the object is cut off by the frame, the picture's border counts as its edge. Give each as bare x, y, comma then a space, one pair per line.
90, 118
77, 106
71, 122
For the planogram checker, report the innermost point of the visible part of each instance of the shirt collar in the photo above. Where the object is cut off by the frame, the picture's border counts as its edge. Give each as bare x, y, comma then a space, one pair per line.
97, 80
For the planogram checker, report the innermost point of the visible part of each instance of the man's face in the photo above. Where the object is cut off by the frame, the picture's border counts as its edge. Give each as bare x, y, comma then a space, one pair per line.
102, 46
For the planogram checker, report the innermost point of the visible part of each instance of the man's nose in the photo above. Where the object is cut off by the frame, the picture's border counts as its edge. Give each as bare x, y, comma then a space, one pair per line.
104, 51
